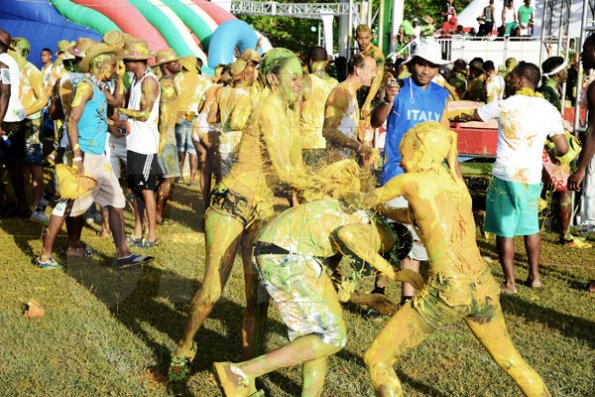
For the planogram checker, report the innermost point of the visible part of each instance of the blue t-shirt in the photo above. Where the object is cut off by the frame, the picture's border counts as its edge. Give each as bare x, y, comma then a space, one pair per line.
413, 105
93, 124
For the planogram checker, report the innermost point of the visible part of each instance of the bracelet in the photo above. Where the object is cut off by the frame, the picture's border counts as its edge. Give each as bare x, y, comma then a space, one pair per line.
78, 158
387, 102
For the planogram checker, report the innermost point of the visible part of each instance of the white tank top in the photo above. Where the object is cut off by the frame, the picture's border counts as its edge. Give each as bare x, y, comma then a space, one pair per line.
144, 135
15, 111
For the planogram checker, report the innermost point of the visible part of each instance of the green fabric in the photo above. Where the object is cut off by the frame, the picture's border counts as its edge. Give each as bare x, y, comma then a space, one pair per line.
551, 95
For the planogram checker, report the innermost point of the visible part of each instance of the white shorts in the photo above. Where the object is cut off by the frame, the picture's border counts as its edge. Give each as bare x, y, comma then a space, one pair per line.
418, 251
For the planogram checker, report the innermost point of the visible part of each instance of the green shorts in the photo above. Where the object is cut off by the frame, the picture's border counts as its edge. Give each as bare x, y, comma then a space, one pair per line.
445, 300
294, 283
512, 208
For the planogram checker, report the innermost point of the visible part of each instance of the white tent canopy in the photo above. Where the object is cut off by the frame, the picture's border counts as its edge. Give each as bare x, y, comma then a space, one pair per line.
468, 17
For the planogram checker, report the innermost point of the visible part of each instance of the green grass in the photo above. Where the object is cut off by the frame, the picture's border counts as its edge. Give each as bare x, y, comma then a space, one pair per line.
108, 333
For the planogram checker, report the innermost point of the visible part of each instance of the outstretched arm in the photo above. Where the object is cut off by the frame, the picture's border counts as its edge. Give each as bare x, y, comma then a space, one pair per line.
366, 241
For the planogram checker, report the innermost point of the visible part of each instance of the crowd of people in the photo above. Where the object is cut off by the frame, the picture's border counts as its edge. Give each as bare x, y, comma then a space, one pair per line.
274, 127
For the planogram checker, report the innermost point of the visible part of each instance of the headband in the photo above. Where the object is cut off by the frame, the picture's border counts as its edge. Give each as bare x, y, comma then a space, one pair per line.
557, 69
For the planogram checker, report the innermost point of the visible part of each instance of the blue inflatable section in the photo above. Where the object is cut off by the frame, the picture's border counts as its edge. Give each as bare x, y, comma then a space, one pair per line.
41, 24
226, 38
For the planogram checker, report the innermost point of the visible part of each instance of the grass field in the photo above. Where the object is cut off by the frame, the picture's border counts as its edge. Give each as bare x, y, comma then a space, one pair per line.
109, 333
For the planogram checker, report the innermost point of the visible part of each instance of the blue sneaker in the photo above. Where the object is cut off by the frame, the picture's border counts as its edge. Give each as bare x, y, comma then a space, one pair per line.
50, 264
131, 260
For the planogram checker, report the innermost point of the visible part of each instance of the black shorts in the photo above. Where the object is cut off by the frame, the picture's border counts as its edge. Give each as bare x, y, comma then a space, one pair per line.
142, 171
16, 134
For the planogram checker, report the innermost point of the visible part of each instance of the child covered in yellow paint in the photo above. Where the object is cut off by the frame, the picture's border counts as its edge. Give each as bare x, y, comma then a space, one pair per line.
460, 284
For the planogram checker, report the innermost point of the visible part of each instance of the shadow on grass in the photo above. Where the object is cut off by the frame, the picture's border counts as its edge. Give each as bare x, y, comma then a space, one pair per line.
404, 378
567, 325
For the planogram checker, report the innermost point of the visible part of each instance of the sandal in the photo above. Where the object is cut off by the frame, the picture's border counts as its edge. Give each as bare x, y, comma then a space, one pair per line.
179, 367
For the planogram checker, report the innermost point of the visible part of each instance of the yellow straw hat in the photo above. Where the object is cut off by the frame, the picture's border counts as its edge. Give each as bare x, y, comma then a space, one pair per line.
72, 186
114, 38
95, 50
165, 55
250, 55
79, 49
137, 50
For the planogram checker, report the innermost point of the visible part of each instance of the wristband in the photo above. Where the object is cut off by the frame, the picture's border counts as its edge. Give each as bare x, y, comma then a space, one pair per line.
387, 102
78, 158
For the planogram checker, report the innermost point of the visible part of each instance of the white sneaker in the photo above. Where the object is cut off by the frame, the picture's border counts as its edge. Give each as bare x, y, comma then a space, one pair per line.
39, 217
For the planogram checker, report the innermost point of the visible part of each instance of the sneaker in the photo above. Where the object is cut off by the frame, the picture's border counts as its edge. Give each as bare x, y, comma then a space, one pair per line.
39, 217
144, 243
50, 264
131, 260
132, 241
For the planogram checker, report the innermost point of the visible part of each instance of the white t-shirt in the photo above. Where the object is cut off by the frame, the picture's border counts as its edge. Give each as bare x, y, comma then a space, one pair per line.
144, 135
495, 88
524, 123
12, 76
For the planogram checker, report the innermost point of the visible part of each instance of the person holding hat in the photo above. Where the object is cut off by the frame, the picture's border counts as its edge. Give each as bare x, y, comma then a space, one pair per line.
34, 98
191, 87
419, 100
12, 134
169, 63
87, 134
460, 285
142, 143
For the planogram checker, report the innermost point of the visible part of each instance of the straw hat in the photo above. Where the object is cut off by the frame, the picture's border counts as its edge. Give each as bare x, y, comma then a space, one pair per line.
6, 39
428, 19
250, 55
137, 50
70, 185
165, 55
21, 43
238, 67
429, 50
63, 46
114, 38
79, 49
189, 63
94, 50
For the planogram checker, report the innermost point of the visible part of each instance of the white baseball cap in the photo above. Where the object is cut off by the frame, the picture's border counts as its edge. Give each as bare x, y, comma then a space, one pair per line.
430, 50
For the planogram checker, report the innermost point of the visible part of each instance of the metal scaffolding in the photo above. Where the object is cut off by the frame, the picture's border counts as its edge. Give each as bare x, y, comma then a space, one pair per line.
587, 28
294, 10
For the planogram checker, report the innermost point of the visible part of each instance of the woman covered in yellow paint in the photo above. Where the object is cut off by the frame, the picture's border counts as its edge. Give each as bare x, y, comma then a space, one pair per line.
460, 284
269, 157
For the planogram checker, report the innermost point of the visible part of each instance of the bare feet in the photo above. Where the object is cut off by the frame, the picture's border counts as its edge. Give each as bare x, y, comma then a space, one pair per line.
533, 283
508, 288
232, 380
105, 233
79, 252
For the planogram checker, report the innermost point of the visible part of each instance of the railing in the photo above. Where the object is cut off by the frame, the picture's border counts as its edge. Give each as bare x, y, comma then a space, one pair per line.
298, 10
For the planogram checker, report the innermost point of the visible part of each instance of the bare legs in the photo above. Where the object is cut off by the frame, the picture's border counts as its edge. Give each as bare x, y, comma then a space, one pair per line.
145, 204
406, 329
163, 193
308, 350
222, 236
36, 184
505, 246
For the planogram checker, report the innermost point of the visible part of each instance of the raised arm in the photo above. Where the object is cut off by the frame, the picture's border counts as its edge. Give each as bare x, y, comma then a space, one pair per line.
118, 98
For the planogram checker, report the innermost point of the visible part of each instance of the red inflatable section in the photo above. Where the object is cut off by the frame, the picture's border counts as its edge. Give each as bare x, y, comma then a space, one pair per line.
129, 19
218, 14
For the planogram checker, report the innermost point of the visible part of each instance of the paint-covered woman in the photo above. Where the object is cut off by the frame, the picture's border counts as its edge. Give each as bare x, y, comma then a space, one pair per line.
269, 158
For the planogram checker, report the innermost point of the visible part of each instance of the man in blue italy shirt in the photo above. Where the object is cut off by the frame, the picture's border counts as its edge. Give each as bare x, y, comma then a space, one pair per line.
415, 101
